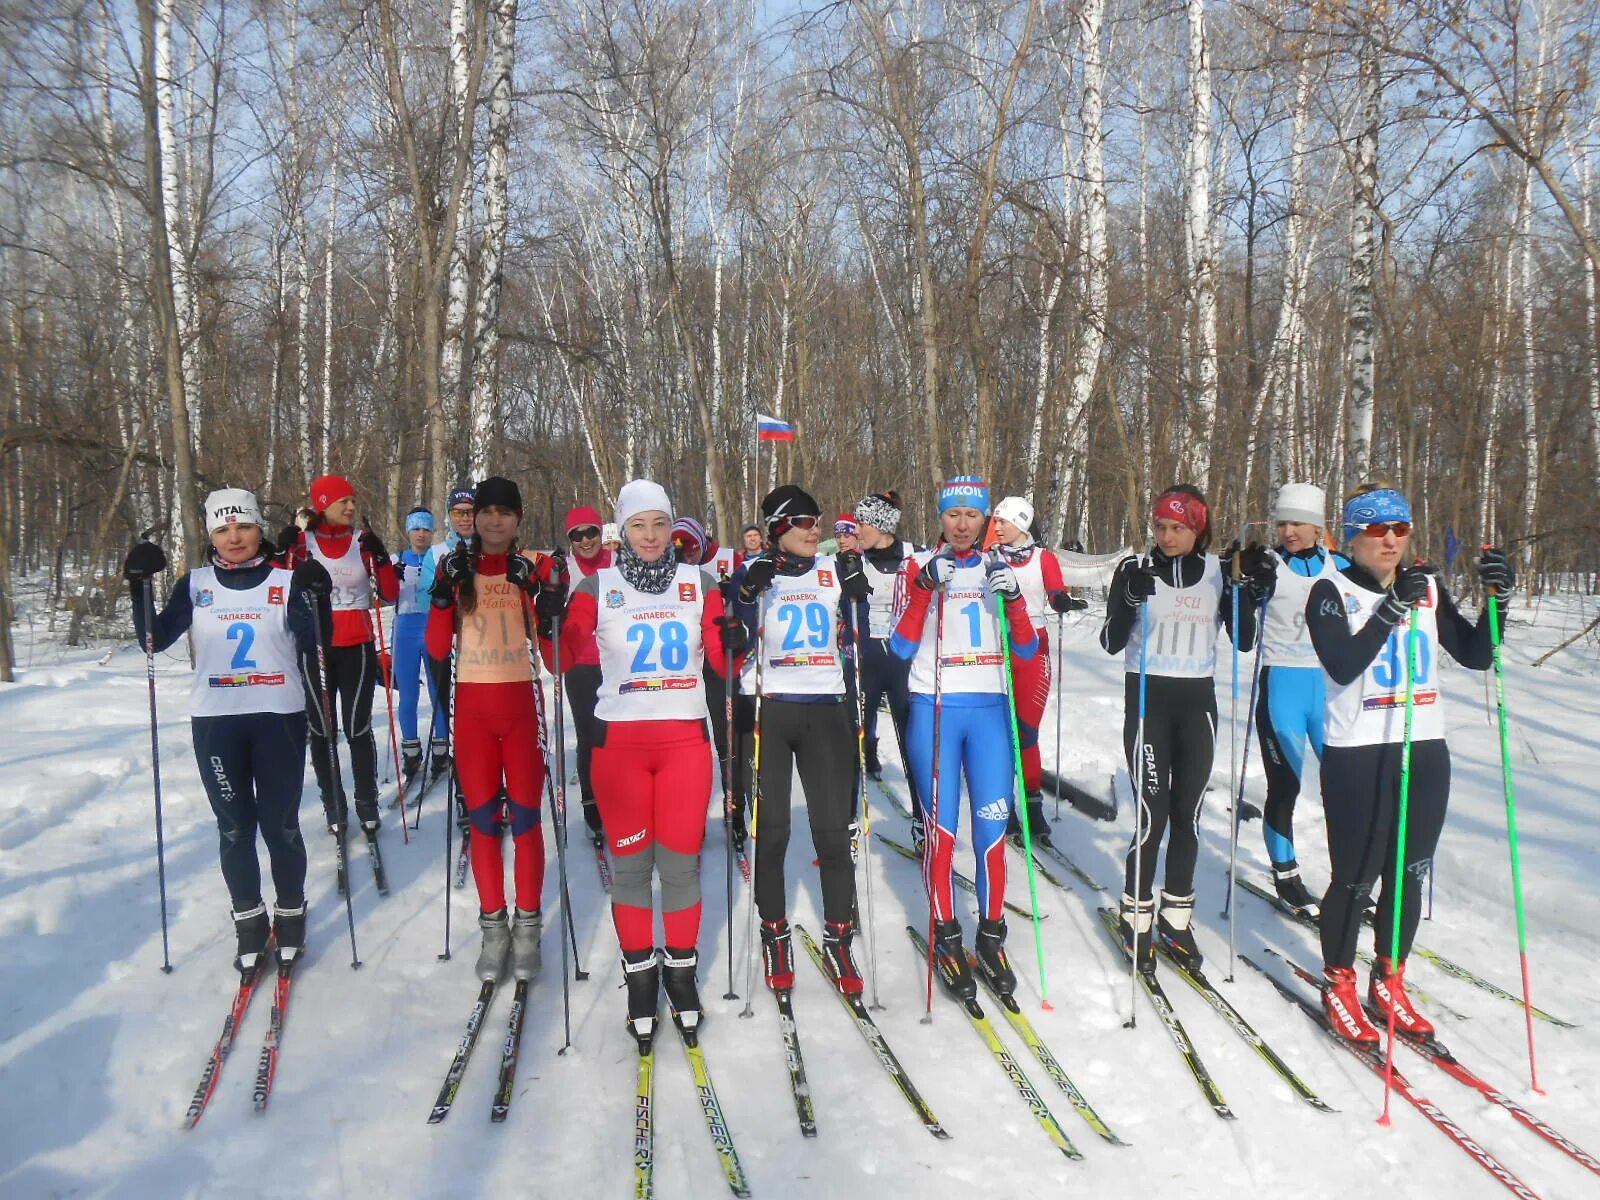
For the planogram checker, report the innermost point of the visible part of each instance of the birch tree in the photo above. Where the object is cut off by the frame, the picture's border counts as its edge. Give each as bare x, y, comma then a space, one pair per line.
484, 410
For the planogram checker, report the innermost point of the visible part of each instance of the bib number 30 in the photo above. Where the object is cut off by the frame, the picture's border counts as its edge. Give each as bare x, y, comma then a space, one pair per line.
1388, 668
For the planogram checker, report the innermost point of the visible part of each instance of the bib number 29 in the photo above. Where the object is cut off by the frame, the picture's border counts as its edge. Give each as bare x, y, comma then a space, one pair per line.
666, 649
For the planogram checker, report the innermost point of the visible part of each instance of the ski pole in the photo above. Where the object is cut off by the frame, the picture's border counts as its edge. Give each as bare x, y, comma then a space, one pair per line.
861, 799
450, 781
1497, 637
333, 771
731, 739
1400, 848
1004, 622
1138, 816
1238, 803
558, 816
755, 822
1061, 624
930, 836
375, 615
149, 596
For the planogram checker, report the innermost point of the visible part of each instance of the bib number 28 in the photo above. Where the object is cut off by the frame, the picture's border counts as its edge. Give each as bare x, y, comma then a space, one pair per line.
663, 649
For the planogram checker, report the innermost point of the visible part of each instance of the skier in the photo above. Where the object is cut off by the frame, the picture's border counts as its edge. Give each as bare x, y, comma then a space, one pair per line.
1186, 595
806, 724
253, 634
1289, 709
458, 507
409, 660
357, 562
883, 673
655, 621
481, 606
1358, 621
1039, 572
846, 533
584, 528
958, 700
752, 540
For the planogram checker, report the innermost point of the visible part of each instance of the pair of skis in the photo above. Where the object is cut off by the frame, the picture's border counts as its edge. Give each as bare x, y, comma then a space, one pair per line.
710, 1109
511, 1048
267, 1064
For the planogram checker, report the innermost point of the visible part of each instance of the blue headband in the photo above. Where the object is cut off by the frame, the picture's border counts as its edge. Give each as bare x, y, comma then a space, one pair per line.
1374, 508
419, 520
964, 491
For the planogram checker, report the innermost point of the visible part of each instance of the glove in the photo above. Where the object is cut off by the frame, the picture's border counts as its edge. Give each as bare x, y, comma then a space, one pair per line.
1496, 573
1133, 582
519, 572
758, 575
734, 634
550, 603
144, 561
1002, 580
1063, 601
455, 566
853, 579
1409, 588
372, 546
1260, 566
312, 578
288, 538
936, 571
553, 571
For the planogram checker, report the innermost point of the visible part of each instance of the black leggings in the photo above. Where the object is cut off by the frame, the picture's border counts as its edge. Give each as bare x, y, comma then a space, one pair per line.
583, 693
819, 739
1361, 800
1180, 733
352, 676
253, 766
883, 674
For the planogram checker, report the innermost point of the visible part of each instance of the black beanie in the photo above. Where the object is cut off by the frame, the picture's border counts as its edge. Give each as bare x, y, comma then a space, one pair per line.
497, 490
785, 502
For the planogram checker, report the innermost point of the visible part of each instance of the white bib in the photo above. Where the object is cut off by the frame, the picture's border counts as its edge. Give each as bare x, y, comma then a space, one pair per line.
970, 656
799, 644
410, 577
1371, 710
1182, 628
1285, 641
651, 654
881, 604
352, 589
244, 654
722, 563
1030, 575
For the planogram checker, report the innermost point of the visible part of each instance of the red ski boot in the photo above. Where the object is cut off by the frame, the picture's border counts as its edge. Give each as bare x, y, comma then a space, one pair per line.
1343, 1007
1387, 992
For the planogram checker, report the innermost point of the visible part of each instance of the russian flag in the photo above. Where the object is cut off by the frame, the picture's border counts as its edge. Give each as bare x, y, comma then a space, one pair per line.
770, 429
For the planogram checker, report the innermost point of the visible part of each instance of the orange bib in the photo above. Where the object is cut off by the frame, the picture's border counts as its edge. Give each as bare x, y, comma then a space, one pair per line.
494, 638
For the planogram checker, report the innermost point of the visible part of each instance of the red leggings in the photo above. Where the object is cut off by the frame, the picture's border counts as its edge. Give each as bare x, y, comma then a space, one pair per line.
1030, 680
652, 780
497, 738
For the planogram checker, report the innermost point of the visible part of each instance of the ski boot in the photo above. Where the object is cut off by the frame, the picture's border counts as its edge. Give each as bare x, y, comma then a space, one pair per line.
438, 757
641, 971
525, 955
1387, 991
496, 928
410, 758
951, 960
1138, 917
736, 827
777, 955
836, 938
290, 926
591, 818
1342, 1007
1292, 889
337, 812
367, 813
252, 929
683, 991
992, 960
874, 767
1038, 827
1172, 927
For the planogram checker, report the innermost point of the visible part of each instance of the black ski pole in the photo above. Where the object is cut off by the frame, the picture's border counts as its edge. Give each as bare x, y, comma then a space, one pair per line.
333, 771
728, 768
450, 782
560, 816
149, 592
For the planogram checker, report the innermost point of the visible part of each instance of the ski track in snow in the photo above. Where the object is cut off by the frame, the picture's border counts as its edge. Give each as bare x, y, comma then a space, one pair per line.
99, 1051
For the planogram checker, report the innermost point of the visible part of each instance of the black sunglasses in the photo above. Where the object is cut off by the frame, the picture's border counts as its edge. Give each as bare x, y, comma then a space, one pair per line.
584, 534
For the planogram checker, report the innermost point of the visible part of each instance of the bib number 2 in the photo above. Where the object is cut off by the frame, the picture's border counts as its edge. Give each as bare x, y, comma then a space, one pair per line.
244, 633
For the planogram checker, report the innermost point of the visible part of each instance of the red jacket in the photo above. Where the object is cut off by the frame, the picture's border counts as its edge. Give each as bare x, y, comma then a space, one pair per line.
351, 627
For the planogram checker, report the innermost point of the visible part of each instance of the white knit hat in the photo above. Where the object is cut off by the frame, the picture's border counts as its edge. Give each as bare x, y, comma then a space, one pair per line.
232, 506
641, 495
1016, 510
1301, 502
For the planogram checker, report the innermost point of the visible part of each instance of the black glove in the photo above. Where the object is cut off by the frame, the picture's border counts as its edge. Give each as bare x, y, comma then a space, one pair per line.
550, 603
1133, 582
1259, 566
372, 545
1496, 573
1002, 580
145, 561
1409, 588
312, 578
758, 575
455, 566
734, 633
288, 538
1063, 601
519, 572
936, 571
853, 579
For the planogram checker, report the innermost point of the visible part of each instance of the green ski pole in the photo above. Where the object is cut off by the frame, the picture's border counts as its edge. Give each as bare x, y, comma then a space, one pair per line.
1400, 847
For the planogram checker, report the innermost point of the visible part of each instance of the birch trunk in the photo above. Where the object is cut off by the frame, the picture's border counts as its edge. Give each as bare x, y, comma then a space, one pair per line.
484, 413
455, 311
1202, 261
329, 433
1358, 463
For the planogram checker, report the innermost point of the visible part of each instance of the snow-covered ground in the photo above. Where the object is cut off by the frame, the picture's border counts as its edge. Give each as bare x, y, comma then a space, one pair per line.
100, 1051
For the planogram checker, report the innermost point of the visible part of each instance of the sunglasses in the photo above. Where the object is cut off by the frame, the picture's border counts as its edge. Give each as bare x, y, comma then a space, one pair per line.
584, 534
802, 522
1379, 528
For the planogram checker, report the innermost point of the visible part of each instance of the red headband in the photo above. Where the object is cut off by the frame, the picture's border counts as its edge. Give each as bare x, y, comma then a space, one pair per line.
1183, 508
